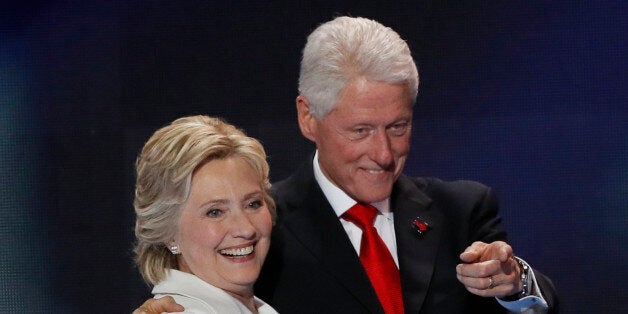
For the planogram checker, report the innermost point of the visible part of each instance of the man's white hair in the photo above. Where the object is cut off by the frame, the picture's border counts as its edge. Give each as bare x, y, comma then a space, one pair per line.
348, 48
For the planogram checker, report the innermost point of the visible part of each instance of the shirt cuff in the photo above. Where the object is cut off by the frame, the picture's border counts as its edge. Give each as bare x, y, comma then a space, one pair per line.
533, 303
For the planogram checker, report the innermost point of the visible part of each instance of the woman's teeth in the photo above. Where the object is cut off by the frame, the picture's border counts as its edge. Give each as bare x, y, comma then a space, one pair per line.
237, 252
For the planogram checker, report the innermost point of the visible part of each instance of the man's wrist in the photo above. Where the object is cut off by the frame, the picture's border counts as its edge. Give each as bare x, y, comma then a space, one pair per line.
526, 281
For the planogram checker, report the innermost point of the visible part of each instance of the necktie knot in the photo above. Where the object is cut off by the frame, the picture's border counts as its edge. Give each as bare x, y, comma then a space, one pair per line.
362, 215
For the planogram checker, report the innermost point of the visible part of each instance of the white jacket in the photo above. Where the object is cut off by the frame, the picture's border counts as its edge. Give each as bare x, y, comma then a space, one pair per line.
198, 296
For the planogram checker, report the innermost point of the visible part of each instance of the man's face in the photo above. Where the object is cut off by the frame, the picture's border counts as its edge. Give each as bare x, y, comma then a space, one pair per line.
363, 142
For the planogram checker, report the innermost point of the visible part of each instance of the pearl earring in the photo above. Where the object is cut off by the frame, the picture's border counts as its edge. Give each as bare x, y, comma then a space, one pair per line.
174, 249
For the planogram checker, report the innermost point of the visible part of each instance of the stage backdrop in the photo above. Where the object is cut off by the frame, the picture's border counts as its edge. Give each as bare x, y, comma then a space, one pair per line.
529, 97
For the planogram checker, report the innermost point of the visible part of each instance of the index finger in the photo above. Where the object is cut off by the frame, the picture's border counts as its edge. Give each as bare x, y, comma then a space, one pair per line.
473, 252
501, 250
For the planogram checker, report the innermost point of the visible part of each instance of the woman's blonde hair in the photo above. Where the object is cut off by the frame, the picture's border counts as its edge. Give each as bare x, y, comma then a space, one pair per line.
164, 174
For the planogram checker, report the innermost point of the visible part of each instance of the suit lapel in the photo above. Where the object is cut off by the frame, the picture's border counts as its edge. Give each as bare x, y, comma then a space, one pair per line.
416, 252
315, 225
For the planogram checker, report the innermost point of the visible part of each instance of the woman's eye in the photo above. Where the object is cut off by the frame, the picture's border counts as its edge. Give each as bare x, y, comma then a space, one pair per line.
256, 204
214, 213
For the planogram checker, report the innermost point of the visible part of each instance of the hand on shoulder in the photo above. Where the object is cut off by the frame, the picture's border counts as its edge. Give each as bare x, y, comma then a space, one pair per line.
156, 306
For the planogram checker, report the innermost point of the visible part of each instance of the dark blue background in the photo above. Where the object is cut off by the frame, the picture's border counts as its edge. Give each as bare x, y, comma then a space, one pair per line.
529, 97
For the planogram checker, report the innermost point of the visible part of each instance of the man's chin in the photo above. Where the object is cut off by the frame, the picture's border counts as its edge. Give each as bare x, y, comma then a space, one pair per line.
373, 195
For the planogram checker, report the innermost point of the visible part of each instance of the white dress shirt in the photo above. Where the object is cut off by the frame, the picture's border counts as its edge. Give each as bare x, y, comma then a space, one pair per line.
341, 203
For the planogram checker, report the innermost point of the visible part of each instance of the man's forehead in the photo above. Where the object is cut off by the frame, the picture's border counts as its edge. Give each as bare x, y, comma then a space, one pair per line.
351, 114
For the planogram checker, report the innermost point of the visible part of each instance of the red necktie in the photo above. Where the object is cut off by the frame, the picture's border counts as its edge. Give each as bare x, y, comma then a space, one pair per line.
376, 259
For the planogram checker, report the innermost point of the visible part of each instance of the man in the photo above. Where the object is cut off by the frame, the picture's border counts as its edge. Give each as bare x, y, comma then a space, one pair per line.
444, 243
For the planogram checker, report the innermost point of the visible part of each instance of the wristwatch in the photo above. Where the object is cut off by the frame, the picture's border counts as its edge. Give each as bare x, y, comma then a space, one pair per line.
524, 277
525, 280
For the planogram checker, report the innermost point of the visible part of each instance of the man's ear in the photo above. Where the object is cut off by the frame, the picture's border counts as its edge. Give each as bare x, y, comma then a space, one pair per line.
307, 122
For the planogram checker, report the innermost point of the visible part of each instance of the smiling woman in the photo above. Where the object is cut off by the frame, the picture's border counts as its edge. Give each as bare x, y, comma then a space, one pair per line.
204, 215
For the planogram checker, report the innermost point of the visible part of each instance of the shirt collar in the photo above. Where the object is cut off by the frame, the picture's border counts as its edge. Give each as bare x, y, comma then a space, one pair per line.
339, 200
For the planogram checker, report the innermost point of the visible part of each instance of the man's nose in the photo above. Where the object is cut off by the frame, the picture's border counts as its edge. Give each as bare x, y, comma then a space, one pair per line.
381, 150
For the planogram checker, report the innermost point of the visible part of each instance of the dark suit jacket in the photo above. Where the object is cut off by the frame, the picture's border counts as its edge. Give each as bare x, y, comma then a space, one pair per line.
312, 267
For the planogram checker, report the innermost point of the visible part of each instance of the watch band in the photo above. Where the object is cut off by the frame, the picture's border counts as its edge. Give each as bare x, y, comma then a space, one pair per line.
524, 277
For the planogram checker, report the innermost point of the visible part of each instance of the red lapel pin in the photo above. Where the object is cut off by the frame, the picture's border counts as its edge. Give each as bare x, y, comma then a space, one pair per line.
420, 226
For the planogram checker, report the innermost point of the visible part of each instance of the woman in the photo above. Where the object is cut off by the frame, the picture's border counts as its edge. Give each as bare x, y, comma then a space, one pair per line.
204, 215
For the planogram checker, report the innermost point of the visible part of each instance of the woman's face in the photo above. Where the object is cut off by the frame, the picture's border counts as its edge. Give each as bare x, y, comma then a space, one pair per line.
225, 226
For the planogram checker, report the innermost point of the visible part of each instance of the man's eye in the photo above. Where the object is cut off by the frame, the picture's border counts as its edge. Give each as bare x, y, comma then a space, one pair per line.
398, 129
360, 133
213, 213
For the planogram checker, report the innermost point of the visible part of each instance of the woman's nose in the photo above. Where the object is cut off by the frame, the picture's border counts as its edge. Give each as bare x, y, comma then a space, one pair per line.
241, 226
